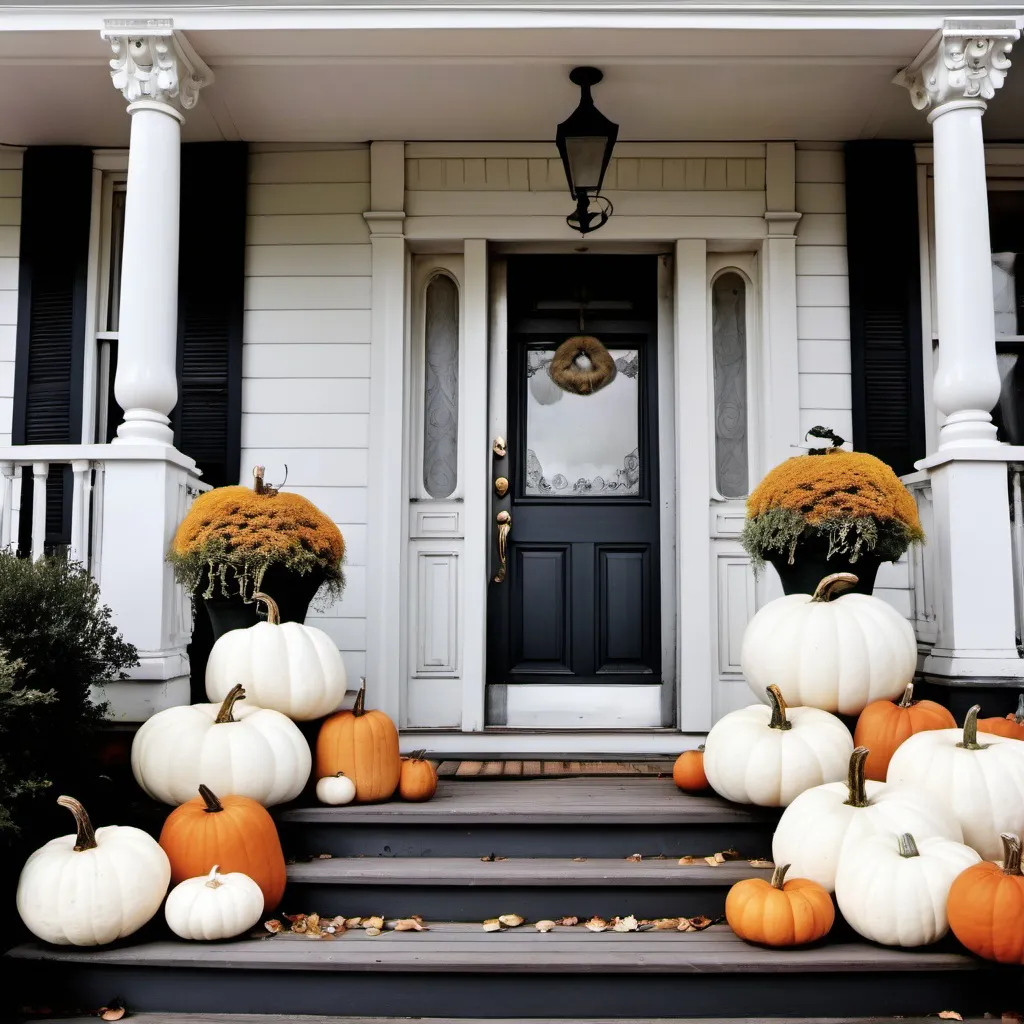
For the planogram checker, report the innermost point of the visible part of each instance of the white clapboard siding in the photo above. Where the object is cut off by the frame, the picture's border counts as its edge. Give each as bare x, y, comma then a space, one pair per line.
306, 351
10, 219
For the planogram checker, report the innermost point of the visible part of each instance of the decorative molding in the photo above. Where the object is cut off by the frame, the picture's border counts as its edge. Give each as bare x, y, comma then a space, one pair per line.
782, 223
385, 223
463, 173
966, 60
153, 62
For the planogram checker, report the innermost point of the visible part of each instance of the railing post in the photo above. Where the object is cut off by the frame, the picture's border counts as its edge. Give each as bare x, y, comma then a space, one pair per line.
6, 504
40, 471
79, 511
1017, 544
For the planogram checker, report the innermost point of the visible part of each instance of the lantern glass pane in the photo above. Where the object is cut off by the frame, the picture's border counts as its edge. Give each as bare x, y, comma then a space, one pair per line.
586, 158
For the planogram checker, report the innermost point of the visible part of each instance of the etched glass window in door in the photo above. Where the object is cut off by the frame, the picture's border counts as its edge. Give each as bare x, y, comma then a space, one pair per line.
441, 388
580, 446
729, 354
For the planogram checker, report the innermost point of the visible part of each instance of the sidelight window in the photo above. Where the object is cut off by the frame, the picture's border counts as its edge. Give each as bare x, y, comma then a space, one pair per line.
441, 387
729, 358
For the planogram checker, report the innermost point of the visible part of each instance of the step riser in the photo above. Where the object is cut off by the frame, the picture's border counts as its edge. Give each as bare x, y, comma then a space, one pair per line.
520, 995
341, 840
477, 903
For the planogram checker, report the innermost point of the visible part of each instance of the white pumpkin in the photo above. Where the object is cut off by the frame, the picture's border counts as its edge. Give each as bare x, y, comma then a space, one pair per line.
93, 887
285, 666
981, 783
815, 827
828, 652
336, 790
214, 906
769, 756
260, 754
893, 889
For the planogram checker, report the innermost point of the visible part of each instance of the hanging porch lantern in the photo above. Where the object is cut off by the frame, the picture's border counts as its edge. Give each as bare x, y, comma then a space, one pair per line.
585, 141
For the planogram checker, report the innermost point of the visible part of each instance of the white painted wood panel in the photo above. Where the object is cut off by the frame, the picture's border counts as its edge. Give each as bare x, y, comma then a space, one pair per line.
9, 308
818, 356
839, 420
820, 165
10, 218
10, 184
435, 613
348, 634
316, 198
823, 290
829, 323
825, 391
341, 504
307, 260
736, 607
355, 542
308, 467
349, 165
280, 361
304, 293
538, 706
10, 240
311, 394
8, 274
821, 229
315, 326
306, 229
353, 602
304, 430
821, 259
820, 197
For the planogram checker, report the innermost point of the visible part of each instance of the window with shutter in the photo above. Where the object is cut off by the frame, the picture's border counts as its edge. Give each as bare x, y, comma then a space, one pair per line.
885, 301
53, 268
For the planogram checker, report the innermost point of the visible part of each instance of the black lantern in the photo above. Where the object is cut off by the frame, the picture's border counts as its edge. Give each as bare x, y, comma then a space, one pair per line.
585, 141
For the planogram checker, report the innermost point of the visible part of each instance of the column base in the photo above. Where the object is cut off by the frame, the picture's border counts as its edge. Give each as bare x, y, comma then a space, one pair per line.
997, 695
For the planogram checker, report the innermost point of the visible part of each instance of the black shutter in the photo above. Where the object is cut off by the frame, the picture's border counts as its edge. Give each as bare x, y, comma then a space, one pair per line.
885, 301
211, 283
56, 202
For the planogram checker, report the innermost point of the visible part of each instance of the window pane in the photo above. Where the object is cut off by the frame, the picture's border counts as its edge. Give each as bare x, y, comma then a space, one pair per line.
116, 247
441, 388
1006, 226
729, 344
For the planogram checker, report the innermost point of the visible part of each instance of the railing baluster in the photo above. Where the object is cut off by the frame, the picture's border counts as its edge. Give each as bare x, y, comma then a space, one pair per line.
6, 504
1017, 545
79, 511
40, 471
96, 526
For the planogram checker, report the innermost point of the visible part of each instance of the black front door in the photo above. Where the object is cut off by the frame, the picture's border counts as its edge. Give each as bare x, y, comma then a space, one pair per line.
580, 600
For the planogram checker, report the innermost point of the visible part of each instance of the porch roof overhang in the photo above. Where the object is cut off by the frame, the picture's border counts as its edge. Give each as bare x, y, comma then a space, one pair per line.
473, 70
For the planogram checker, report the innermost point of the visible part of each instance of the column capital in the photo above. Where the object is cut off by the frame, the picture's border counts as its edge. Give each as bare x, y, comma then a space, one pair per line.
153, 62
965, 61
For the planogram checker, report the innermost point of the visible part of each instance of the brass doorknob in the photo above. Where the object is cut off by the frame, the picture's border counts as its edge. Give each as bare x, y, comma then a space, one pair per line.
501, 486
499, 448
504, 527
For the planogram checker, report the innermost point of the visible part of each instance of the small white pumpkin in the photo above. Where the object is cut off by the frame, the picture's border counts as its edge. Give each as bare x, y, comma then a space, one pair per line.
260, 754
829, 652
336, 790
769, 756
214, 906
893, 889
93, 887
285, 666
981, 783
815, 827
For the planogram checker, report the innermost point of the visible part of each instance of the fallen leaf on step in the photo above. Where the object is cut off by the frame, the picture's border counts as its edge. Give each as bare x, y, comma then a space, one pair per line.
493, 925
578, 860
353, 922
665, 924
273, 926
313, 924
720, 858
511, 920
373, 922
488, 858
596, 924
699, 923
324, 856
115, 1011
328, 933
729, 855
299, 927
625, 924
409, 924
635, 857
1008, 1017
762, 864
372, 932
687, 860
544, 926
949, 1015
712, 862
294, 917
568, 922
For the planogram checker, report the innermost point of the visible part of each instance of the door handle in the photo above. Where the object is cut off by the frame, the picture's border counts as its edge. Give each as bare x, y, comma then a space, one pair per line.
504, 527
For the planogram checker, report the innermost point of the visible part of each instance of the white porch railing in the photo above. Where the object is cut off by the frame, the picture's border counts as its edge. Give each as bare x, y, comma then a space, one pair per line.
924, 613
37, 462
1017, 546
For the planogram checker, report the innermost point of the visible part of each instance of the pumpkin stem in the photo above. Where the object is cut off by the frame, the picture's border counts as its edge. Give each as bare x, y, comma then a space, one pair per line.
236, 693
832, 586
359, 708
908, 848
1018, 716
211, 800
700, 749
86, 838
908, 697
257, 479
779, 875
417, 755
212, 881
970, 740
1011, 853
273, 612
778, 703
855, 778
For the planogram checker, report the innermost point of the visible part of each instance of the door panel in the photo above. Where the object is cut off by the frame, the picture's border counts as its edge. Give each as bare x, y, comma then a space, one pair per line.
580, 603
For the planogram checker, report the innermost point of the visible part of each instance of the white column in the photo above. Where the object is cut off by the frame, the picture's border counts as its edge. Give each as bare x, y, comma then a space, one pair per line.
952, 79
153, 67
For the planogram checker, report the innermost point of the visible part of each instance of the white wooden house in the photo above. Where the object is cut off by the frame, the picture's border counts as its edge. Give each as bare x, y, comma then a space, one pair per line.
817, 215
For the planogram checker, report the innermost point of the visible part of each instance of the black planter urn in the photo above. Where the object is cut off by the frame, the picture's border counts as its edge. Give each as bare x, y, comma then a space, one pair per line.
811, 565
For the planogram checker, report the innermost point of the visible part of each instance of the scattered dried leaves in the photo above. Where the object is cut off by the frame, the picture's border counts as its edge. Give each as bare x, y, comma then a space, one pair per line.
372, 932
665, 924
372, 922
635, 857
410, 924
115, 1011
544, 926
949, 1015
567, 922
273, 926
511, 920
687, 860
324, 856
762, 864
625, 924
492, 925
490, 858
596, 924
694, 924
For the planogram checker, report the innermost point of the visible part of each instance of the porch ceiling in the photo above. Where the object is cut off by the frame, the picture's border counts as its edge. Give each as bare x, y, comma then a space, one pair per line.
480, 85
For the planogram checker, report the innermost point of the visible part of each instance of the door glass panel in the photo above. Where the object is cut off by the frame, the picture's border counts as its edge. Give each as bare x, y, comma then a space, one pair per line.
581, 446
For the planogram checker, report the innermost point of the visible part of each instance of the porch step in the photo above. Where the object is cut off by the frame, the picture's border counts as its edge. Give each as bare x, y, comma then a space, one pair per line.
473, 818
441, 888
261, 1018
458, 970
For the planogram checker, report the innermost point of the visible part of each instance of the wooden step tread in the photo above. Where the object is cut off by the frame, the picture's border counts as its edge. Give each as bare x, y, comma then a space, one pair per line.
611, 801
519, 871
466, 948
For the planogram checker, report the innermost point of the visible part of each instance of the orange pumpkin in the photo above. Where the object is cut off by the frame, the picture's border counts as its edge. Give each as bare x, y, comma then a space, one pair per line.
1012, 726
779, 913
884, 725
418, 780
688, 771
986, 906
362, 745
234, 832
